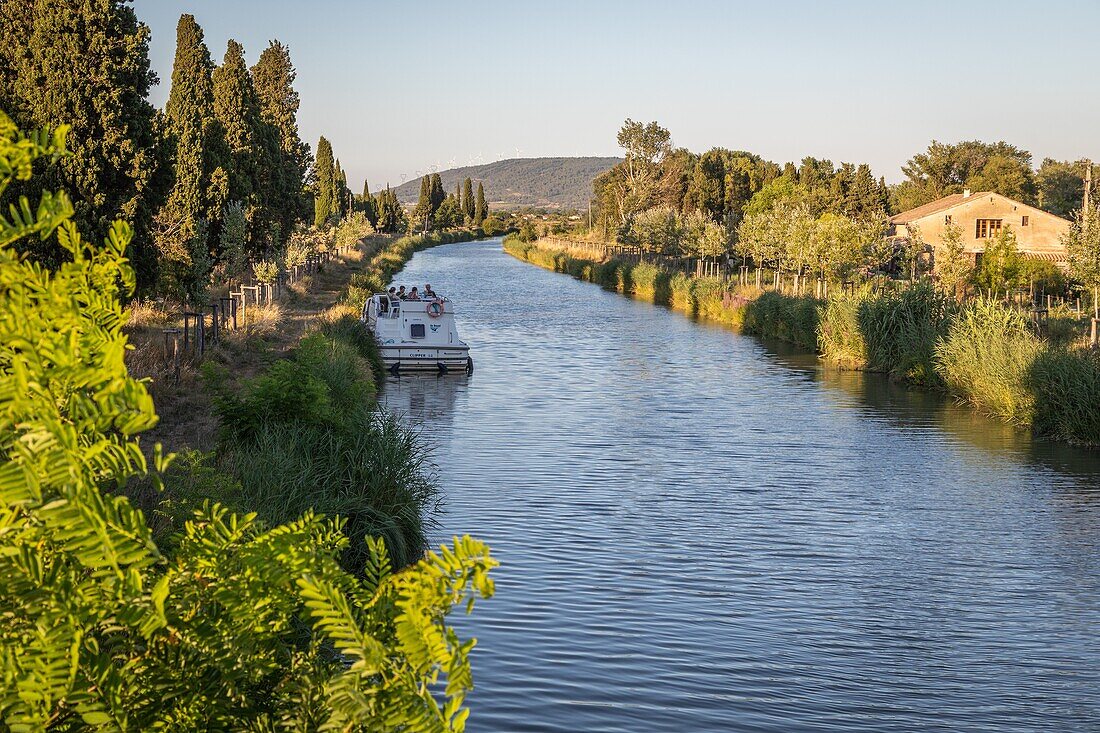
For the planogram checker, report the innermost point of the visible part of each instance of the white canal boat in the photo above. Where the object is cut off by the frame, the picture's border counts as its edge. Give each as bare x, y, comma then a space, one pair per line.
417, 335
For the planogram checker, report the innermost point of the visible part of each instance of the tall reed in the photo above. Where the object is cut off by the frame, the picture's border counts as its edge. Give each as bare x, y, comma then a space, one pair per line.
986, 359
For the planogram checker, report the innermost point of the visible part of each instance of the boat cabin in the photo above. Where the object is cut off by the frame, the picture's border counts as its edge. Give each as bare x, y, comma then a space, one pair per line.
416, 334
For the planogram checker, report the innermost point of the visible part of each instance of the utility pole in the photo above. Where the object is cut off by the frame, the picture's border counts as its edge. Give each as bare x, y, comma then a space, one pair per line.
1088, 191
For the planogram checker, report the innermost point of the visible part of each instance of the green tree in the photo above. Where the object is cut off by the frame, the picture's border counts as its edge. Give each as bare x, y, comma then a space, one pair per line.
723, 182
238, 625
273, 78
1062, 185
1083, 244
945, 169
201, 185
468, 199
88, 63
915, 247
1001, 264
646, 146
449, 215
953, 264
324, 172
233, 241
481, 208
366, 205
436, 192
237, 109
340, 189
658, 230
422, 214
702, 237
391, 217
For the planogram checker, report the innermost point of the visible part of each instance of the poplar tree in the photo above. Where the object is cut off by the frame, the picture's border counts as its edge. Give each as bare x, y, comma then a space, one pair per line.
325, 172
273, 78
481, 209
201, 184
87, 65
468, 199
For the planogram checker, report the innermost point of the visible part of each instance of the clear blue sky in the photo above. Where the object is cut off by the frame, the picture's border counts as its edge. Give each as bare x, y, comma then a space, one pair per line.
402, 86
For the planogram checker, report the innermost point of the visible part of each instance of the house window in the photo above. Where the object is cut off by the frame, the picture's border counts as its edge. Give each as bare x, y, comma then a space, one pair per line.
946, 218
986, 228
1024, 220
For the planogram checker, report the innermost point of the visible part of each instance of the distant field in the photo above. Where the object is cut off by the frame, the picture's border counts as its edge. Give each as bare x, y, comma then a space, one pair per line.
554, 183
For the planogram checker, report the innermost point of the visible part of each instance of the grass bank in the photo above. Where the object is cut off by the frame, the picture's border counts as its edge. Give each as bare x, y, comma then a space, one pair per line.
983, 353
300, 430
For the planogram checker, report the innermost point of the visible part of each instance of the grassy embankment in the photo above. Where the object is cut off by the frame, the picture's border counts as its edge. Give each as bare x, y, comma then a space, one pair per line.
983, 353
281, 417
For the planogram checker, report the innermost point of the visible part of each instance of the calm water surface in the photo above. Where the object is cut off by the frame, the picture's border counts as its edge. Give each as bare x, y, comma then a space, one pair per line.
702, 532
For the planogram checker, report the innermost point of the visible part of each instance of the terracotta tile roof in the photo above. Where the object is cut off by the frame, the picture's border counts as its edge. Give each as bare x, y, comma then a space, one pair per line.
947, 202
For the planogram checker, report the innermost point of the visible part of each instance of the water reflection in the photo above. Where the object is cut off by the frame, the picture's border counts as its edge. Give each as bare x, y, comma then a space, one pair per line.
918, 409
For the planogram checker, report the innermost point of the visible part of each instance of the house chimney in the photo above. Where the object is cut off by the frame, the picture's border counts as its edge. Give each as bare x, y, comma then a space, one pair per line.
966, 193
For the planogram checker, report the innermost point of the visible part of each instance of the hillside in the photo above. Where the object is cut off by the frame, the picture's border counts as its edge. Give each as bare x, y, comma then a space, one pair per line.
555, 183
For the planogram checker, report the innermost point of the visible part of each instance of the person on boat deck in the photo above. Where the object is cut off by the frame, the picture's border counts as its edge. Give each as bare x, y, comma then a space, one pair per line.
401, 293
428, 292
413, 295
392, 292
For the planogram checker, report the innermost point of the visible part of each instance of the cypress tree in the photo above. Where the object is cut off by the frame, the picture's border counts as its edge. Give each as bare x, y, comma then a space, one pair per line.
423, 211
238, 111
324, 171
87, 65
252, 147
481, 209
201, 186
369, 209
273, 79
436, 192
390, 216
468, 199
340, 190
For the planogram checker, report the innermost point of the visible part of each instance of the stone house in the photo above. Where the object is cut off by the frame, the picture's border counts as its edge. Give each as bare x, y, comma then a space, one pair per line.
981, 216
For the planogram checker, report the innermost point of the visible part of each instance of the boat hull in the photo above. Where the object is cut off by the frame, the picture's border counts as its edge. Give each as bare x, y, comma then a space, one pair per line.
425, 358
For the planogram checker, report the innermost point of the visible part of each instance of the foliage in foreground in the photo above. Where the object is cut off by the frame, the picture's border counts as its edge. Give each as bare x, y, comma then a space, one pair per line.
245, 626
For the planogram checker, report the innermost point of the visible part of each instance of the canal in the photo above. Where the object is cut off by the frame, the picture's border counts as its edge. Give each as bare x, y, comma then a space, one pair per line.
700, 531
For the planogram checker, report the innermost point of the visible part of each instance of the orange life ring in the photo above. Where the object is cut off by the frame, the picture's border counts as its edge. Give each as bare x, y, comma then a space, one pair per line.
435, 308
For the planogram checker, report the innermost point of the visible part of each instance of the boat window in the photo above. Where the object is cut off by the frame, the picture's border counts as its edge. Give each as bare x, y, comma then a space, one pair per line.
416, 330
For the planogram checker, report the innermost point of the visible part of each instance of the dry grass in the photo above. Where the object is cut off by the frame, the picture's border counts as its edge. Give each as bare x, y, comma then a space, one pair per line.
263, 321
268, 333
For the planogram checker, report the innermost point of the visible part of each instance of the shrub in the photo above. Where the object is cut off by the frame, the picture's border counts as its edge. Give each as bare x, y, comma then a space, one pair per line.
288, 392
492, 226
784, 317
249, 626
840, 338
986, 359
1065, 384
367, 471
266, 271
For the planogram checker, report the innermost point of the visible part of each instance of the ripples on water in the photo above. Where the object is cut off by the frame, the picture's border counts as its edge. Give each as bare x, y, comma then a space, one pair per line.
701, 532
